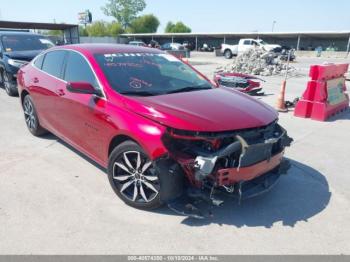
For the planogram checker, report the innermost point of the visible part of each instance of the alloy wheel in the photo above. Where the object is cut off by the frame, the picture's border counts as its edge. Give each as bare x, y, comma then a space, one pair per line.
6, 82
135, 177
29, 114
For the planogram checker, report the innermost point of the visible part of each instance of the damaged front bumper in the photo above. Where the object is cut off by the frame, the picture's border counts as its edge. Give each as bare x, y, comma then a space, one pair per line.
199, 204
250, 155
231, 176
241, 163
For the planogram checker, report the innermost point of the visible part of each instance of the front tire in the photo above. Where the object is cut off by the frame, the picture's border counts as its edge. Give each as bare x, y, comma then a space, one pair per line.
31, 117
8, 84
133, 177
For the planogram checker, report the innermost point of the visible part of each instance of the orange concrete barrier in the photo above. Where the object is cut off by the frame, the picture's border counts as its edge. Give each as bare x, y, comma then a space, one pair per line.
325, 93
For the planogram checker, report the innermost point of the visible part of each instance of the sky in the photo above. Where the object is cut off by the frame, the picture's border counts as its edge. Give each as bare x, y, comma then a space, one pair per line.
200, 15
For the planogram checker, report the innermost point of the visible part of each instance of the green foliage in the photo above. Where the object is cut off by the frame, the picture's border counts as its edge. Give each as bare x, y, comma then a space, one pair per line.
124, 11
51, 32
97, 28
115, 29
101, 28
55, 32
169, 26
179, 27
83, 31
144, 24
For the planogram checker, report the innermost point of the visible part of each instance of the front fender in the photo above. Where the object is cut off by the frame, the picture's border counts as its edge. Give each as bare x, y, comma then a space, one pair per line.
145, 132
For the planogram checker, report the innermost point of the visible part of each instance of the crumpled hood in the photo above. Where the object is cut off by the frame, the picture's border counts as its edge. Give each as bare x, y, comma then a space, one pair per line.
23, 55
219, 109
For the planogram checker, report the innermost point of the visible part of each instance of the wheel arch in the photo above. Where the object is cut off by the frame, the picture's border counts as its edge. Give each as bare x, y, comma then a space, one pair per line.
23, 94
117, 140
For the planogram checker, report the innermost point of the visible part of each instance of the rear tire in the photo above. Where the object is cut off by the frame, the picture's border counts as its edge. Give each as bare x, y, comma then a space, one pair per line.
228, 54
133, 177
8, 84
31, 117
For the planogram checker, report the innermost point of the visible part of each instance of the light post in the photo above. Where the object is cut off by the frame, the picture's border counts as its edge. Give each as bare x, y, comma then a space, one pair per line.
273, 25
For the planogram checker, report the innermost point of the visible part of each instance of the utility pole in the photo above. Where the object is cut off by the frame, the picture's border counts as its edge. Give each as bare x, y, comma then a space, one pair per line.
273, 25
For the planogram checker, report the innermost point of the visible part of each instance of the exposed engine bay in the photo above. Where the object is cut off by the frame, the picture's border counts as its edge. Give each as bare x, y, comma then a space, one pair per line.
229, 162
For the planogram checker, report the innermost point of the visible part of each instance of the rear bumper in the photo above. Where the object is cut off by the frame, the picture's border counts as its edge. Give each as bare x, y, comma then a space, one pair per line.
230, 176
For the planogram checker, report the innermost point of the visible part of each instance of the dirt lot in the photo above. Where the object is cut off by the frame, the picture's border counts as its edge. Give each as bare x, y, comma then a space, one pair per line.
55, 201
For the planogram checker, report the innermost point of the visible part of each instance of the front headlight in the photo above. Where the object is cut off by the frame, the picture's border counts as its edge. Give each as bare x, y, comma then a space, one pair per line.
17, 63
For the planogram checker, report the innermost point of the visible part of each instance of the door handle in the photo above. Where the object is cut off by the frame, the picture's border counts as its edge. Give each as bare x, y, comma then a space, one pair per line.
35, 80
60, 92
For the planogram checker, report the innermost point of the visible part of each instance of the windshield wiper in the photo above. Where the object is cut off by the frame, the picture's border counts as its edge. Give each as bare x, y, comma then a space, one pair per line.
189, 89
137, 93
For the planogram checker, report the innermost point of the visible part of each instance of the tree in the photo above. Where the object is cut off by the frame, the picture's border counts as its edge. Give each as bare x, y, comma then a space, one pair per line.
97, 28
115, 29
144, 24
102, 28
179, 27
55, 32
83, 31
169, 27
124, 11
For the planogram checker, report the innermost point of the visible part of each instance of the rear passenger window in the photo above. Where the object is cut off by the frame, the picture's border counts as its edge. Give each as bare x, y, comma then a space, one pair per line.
78, 70
53, 63
39, 61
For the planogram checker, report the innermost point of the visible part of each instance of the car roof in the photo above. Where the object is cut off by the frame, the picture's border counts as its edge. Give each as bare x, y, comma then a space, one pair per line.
108, 48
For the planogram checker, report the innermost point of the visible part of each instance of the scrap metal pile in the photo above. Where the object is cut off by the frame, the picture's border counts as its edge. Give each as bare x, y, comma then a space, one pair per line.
258, 62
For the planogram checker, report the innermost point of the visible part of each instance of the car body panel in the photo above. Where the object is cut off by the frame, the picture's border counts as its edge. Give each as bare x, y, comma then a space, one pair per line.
91, 123
234, 111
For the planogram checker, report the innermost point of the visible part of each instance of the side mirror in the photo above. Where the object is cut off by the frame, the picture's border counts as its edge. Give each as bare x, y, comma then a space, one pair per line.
83, 88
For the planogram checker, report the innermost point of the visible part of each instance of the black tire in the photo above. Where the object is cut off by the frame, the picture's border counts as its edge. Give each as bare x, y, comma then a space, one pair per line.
31, 117
125, 179
8, 84
228, 54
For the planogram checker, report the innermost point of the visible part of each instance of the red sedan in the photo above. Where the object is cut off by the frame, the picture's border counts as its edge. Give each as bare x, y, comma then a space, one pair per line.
154, 122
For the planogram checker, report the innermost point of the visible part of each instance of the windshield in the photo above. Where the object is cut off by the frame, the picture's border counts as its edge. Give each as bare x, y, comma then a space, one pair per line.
25, 43
148, 74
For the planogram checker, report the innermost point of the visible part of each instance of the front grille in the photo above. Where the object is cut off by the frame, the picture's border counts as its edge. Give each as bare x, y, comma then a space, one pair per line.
235, 82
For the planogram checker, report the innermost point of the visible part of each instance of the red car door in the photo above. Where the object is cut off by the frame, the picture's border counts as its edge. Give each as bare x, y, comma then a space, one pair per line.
81, 117
43, 86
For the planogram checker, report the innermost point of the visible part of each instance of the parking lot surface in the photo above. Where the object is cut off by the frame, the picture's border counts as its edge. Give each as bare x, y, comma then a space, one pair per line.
53, 200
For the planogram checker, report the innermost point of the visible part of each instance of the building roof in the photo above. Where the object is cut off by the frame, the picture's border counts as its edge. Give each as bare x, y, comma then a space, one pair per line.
33, 25
246, 34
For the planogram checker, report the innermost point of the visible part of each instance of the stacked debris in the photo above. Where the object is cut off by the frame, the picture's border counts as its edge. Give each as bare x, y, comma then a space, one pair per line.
258, 62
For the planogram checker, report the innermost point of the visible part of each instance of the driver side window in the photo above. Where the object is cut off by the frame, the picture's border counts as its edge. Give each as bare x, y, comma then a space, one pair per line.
78, 70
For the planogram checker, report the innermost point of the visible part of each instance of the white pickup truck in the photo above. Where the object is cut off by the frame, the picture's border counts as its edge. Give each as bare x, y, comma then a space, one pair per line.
245, 44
